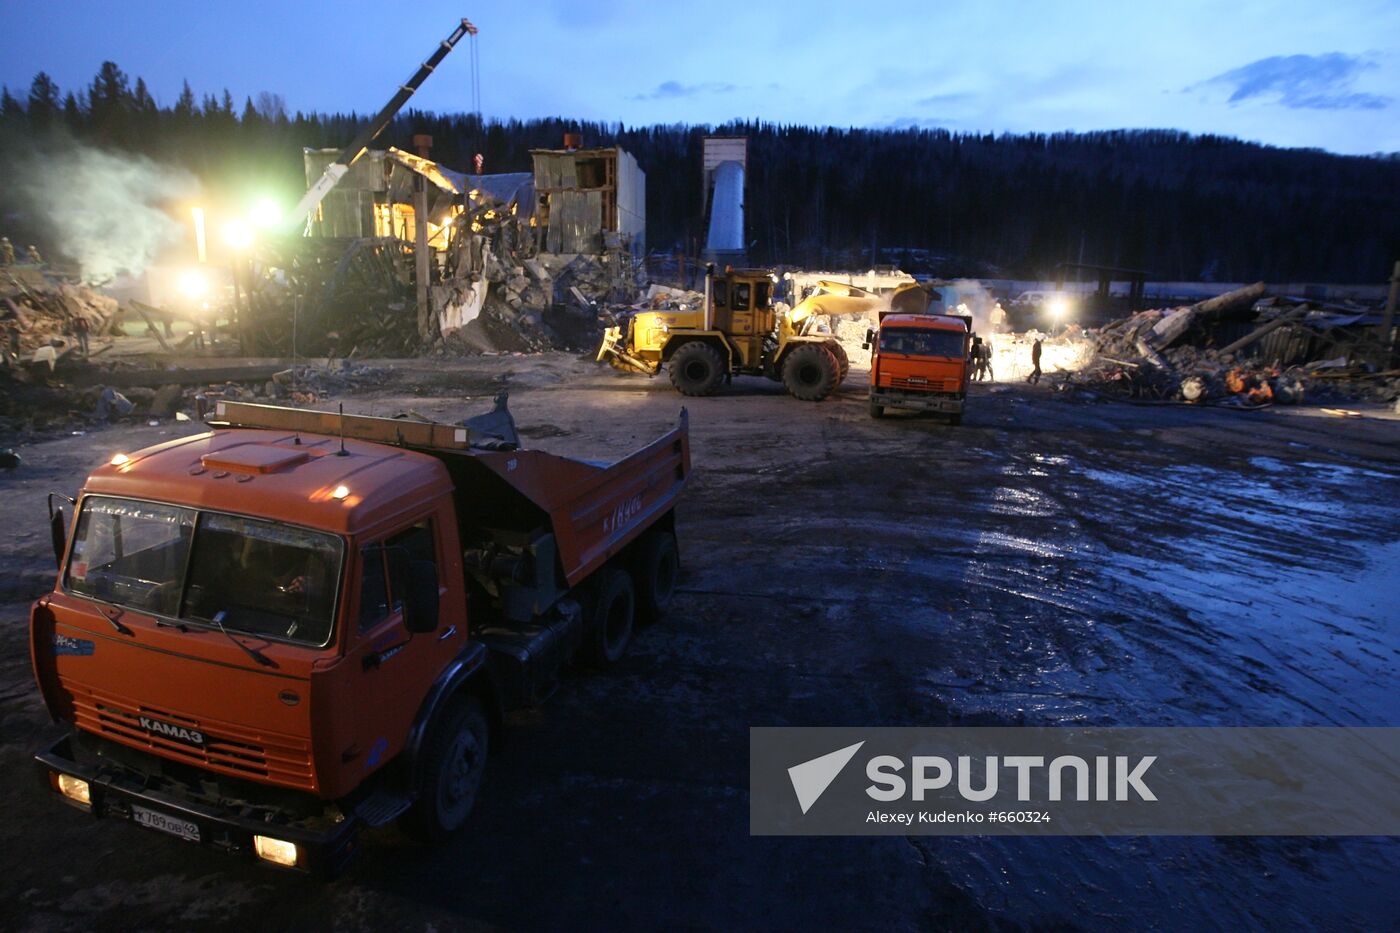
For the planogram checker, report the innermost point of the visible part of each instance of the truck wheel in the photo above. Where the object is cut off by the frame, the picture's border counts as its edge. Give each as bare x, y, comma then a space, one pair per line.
696, 368
842, 359
614, 611
810, 372
658, 568
877, 411
454, 761
955, 420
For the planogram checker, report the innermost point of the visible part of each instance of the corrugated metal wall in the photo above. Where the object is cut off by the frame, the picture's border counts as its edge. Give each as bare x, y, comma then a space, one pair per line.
632, 201
578, 216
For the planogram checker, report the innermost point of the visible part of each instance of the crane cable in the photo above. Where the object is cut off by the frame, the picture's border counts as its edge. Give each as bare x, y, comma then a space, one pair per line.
475, 72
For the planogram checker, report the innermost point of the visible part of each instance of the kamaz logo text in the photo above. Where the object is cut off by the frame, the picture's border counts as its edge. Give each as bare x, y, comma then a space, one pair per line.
172, 731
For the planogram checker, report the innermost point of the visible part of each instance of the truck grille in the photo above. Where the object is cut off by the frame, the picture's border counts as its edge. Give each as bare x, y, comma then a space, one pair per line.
926, 385
226, 749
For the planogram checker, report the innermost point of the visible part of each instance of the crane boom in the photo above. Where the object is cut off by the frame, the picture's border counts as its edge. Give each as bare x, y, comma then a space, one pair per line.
351, 153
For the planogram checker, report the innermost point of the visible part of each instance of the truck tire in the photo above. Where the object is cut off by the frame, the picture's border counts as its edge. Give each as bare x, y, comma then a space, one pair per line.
842, 358
877, 411
454, 760
614, 611
658, 568
696, 368
955, 420
810, 372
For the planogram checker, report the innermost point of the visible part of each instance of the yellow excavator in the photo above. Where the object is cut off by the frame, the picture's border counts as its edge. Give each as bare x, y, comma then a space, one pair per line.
738, 331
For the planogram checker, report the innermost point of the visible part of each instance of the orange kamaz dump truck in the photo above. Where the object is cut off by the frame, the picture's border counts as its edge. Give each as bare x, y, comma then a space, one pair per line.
920, 361
267, 637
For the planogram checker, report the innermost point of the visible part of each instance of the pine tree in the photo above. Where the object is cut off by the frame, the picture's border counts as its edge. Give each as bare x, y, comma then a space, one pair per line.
109, 101
44, 103
11, 110
74, 113
184, 105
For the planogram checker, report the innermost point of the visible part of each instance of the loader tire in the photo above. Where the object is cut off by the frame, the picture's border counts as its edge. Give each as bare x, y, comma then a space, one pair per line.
658, 568
810, 372
614, 612
696, 369
454, 761
842, 358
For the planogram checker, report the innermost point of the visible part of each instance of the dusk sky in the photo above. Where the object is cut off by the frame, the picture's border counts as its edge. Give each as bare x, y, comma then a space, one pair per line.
1324, 75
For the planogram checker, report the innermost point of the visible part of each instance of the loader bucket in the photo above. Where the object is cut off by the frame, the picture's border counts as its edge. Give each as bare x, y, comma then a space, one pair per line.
613, 349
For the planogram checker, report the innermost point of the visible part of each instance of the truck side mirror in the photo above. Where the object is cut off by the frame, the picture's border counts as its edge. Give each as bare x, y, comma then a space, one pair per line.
58, 531
869, 338
420, 604
58, 526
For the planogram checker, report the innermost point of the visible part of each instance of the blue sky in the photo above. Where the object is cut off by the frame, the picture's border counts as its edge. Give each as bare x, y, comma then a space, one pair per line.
1325, 75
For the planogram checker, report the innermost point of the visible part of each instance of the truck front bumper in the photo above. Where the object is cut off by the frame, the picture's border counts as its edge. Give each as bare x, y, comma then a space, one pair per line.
115, 794
918, 401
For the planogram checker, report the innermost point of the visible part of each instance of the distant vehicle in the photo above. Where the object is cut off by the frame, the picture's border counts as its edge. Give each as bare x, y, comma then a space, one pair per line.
738, 331
920, 361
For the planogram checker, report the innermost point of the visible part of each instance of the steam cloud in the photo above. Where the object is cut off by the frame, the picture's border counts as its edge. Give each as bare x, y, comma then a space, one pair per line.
980, 303
104, 210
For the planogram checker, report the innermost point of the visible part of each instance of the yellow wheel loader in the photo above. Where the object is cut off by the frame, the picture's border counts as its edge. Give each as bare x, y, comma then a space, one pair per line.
738, 331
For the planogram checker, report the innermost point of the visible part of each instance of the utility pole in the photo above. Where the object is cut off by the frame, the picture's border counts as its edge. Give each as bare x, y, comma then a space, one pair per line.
423, 143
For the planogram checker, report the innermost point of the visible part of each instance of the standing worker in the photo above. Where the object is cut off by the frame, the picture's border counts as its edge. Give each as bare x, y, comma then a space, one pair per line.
987, 359
32, 254
80, 330
7, 252
1034, 377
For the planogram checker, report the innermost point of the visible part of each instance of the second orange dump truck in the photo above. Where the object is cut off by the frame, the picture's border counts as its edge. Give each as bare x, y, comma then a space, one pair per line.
922, 362
267, 637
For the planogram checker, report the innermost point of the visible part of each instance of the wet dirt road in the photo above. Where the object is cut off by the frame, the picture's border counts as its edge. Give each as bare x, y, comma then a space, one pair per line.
1045, 563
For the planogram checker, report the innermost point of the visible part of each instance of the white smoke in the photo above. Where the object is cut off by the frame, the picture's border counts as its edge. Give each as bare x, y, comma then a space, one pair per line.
107, 211
979, 302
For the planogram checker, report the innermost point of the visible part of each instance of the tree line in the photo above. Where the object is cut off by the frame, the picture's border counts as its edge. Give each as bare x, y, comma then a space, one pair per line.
1177, 205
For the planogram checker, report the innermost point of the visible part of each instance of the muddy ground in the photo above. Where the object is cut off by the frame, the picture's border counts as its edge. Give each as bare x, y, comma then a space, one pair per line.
1046, 563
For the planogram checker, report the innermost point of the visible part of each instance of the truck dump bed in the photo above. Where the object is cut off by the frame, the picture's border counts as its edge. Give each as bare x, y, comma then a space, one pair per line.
509, 496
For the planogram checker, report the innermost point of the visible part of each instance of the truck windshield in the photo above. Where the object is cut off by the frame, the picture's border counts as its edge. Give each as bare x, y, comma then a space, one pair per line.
253, 576
947, 344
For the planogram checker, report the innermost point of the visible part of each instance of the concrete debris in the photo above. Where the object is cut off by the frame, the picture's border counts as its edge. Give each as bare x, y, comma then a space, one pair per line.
1241, 348
38, 313
110, 403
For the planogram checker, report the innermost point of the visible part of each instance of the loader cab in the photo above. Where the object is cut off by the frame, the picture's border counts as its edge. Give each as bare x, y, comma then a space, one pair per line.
743, 303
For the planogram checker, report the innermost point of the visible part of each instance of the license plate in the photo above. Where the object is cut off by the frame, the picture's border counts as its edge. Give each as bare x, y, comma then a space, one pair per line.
166, 824
918, 381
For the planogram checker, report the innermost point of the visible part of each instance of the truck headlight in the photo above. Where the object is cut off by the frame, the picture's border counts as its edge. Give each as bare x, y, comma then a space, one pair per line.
75, 789
276, 851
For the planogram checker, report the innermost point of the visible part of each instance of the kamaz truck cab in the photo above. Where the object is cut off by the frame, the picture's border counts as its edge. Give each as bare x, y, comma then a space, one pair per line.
920, 362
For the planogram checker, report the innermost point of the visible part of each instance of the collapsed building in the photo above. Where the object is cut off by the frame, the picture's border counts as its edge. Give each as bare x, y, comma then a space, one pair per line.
1244, 348
406, 254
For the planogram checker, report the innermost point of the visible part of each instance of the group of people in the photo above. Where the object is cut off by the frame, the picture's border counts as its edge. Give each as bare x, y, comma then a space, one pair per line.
982, 362
7, 253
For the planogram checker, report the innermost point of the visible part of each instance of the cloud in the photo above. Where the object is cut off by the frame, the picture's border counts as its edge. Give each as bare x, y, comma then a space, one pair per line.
918, 123
944, 100
669, 90
1301, 82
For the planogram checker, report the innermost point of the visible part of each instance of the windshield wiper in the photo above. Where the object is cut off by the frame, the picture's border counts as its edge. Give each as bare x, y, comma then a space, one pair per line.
114, 616
253, 653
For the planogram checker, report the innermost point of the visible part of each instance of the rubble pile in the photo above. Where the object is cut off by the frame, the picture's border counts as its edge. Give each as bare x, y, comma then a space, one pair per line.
1240, 349
36, 312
